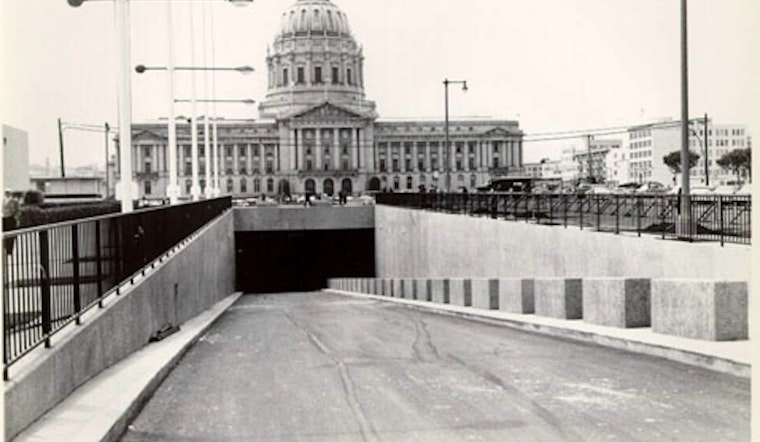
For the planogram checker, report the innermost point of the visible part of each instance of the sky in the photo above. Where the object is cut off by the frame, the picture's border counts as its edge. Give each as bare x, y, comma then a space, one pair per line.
553, 65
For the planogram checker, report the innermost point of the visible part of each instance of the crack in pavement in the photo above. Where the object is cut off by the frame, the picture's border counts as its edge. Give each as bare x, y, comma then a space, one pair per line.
368, 433
524, 400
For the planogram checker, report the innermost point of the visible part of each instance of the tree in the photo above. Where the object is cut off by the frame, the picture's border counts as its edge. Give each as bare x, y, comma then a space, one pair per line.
737, 161
673, 161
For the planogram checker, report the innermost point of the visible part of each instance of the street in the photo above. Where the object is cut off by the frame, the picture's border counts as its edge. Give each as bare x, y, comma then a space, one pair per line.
324, 367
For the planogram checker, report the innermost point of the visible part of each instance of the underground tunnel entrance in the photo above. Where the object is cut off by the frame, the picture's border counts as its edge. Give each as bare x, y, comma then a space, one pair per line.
294, 261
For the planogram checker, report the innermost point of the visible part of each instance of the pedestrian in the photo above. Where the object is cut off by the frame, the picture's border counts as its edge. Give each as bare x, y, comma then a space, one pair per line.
11, 219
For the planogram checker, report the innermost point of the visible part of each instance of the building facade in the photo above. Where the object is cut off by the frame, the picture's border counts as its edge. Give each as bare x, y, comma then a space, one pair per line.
320, 134
648, 145
592, 161
15, 158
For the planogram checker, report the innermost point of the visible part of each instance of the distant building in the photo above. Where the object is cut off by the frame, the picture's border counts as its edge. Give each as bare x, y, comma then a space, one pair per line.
592, 161
15, 158
544, 169
320, 134
70, 188
649, 144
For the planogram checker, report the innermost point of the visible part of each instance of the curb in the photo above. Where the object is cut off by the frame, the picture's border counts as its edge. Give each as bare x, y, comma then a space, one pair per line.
690, 357
108, 421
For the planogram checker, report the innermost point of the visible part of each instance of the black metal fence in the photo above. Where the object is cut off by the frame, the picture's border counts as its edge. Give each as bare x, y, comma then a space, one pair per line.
54, 273
713, 217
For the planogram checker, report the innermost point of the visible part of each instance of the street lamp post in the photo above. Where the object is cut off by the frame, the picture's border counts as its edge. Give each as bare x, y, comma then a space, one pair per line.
124, 92
447, 150
685, 221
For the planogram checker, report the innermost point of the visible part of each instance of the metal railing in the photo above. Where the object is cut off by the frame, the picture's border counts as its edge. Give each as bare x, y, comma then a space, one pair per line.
55, 273
713, 217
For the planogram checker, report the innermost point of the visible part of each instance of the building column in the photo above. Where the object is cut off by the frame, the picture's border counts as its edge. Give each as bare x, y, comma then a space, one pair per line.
357, 162
317, 154
336, 148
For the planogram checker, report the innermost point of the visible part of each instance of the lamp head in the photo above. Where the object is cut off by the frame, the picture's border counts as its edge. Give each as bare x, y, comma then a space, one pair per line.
240, 2
464, 86
75, 3
140, 68
244, 70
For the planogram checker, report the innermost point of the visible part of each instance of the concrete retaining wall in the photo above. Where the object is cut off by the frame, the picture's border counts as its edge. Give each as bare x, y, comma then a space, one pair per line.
423, 244
192, 280
617, 302
422, 290
460, 292
251, 219
709, 310
559, 297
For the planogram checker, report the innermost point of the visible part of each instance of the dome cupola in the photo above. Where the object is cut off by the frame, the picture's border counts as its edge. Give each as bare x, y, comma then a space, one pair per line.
313, 17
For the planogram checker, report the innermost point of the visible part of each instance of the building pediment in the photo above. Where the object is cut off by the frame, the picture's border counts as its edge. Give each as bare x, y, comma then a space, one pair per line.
498, 132
328, 111
147, 135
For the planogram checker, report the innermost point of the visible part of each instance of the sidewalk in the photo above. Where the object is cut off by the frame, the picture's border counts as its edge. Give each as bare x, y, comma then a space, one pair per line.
732, 357
101, 409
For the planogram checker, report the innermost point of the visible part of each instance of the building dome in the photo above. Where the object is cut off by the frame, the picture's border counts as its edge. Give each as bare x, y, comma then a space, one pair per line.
307, 17
314, 59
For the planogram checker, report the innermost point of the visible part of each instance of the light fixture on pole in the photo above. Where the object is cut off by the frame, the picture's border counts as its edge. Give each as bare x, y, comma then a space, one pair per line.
684, 224
447, 147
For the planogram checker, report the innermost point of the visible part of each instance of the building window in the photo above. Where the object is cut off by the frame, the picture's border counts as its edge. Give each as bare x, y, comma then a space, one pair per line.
147, 188
285, 79
396, 183
257, 185
395, 165
382, 164
421, 164
229, 185
318, 75
269, 168
459, 164
345, 164
473, 181
496, 162
147, 167
408, 164
270, 185
335, 78
243, 186
349, 77
409, 182
188, 186
472, 163
309, 165
188, 168
256, 150
300, 75
326, 163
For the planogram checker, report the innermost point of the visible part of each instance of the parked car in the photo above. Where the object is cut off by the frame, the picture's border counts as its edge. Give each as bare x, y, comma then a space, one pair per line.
599, 190
626, 188
652, 187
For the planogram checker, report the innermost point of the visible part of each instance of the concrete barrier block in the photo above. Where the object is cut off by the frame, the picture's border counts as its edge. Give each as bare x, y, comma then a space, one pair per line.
516, 295
377, 286
409, 288
617, 302
460, 292
485, 294
708, 310
439, 291
559, 297
397, 289
422, 289
385, 287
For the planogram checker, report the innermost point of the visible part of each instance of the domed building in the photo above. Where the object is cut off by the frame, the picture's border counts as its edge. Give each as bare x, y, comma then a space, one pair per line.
320, 134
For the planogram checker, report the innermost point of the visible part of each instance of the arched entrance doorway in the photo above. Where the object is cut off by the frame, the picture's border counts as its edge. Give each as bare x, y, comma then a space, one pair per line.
328, 187
310, 186
347, 185
374, 183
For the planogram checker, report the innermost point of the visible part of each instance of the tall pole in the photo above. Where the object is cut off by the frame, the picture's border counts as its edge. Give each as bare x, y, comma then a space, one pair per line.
60, 148
707, 154
194, 188
206, 135
107, 132
685, 171
124, 92
447, 177
172, 189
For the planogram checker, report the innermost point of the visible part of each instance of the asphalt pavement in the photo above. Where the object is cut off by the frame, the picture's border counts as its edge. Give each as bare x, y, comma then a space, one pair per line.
325, 367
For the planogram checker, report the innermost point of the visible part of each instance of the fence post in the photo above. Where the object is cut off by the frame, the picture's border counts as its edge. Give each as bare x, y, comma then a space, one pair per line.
598, 212
99, 264
662, 216
45, 285
581, 200
617, 214
75, 267
564, 208
638, 214
720, 217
